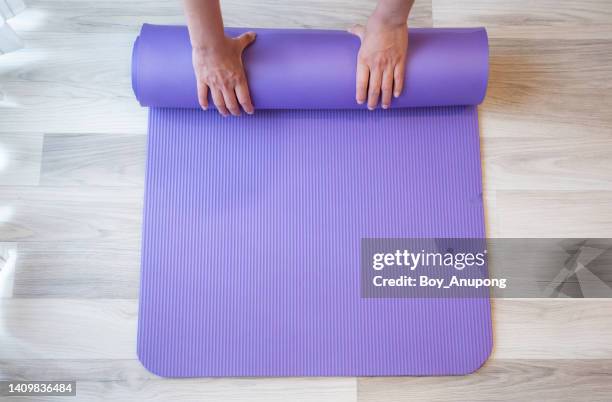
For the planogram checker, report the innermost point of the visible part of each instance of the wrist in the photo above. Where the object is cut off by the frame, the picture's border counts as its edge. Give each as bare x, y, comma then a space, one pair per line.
209, 47
209, 42
386, 18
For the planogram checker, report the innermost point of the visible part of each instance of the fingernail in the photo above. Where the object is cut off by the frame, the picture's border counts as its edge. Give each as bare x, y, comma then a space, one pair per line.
385, 106
370, 108
396, 94
360, 101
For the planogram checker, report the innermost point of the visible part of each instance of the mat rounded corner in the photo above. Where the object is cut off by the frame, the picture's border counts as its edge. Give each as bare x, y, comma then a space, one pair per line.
478, 364
151, 368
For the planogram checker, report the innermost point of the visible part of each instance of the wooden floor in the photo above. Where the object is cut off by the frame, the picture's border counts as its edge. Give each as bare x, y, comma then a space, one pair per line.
72, 149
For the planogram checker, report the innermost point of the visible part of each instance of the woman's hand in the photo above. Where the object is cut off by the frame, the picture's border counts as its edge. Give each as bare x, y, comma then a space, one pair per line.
219, 70
381, 62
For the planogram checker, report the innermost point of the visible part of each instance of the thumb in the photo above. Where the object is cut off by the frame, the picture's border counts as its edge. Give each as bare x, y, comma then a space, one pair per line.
357, 30
246, 39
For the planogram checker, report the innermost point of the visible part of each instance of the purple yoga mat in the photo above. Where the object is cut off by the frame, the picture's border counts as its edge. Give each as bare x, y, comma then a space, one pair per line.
252, 225
314, 69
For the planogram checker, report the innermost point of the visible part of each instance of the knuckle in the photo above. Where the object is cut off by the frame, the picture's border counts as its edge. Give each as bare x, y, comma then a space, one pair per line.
380, 61
222, 79
233, 76
214, 81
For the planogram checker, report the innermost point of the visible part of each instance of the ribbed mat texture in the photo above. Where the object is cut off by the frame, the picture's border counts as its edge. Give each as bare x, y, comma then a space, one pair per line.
251, 242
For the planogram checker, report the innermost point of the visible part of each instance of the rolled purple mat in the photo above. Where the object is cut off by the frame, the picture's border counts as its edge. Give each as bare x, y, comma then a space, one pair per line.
314, 69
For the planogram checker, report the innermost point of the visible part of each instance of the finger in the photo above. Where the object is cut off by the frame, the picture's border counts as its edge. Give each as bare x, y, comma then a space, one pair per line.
357, 30
387, 88
219, 101
374, 88
230, 101
398, 79
203, 94
244, 97
246, 39
363, 74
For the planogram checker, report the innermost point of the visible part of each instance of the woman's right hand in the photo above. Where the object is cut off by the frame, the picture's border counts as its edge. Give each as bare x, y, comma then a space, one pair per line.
220, 71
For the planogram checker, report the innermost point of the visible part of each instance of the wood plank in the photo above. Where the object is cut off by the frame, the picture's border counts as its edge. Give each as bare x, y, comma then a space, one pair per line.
501, 380
78, 269
112, 115
548, 88
70, 83
523, 13
68, 329
552, 328
561, 32
93, 159
546, 64
65, 65
533, 163
554, 113
489, 199
20, 158
564, 214
70, 213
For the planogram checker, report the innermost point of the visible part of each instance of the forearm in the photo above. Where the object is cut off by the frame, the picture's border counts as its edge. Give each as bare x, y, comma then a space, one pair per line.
394, 12
205, 23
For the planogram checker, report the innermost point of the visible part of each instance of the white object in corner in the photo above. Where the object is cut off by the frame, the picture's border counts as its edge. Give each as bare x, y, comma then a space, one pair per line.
7, 272
10, 8
9, 40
